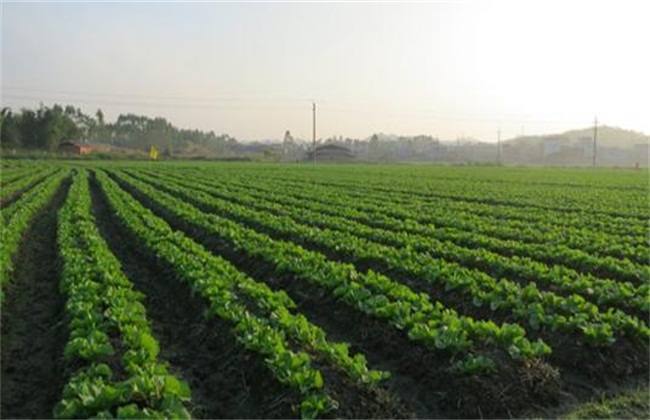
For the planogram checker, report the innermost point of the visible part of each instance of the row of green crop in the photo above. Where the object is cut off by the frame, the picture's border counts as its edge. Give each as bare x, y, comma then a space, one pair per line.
269, 328
557, 278
395, 217
398, 220
107, 321
538, 178
10, 176
17, 218
524, 196
30, 196
517, 180
512, 177
465, 229
407, 194
451, 216
374, 215
372, 293
24, 182
276, 306
526, 304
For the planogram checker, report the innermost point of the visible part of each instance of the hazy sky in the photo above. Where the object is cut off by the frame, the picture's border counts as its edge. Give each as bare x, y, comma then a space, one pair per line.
252, 69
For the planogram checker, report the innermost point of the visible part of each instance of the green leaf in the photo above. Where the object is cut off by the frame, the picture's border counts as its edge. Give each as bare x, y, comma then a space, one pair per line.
318, 380
176, 387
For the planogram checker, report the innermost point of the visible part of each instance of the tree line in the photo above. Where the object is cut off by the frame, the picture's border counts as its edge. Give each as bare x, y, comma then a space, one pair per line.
47, 127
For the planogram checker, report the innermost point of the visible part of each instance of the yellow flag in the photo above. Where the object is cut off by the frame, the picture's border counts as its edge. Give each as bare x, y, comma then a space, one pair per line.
153, 153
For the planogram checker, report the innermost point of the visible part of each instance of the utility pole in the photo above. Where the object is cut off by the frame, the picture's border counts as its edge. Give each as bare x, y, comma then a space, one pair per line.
499, 147
314, 133
595, 137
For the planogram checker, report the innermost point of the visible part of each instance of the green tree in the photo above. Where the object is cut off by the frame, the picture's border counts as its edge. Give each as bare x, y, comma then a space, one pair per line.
10, 129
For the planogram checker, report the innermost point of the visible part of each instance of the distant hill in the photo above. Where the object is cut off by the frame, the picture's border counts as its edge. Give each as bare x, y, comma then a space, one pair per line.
607, 137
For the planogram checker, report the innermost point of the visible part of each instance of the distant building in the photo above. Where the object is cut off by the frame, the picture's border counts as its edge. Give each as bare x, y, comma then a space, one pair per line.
332, 153
75, 148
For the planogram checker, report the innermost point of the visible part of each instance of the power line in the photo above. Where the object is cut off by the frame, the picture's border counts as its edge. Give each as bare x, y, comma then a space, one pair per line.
104, 103
287, 105
225, 97
457, 117
108, 99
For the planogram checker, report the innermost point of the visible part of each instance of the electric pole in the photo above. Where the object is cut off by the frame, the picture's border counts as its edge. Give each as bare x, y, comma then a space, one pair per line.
314, 132
595, 137
499, 147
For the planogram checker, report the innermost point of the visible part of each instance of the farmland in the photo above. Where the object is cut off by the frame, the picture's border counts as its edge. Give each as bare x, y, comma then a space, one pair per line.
233, 290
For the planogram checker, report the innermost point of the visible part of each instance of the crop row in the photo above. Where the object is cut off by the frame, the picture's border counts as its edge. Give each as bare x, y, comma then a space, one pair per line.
529, 197
405, 193
562, 246
526, 304
552, 178
453, 217
277, 307
17, 218
430, 323
262, 319
8, 177
111, 349
557, 278
23, 183
387, 216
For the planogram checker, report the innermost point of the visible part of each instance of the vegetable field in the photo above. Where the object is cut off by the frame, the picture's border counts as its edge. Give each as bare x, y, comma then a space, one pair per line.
232, 290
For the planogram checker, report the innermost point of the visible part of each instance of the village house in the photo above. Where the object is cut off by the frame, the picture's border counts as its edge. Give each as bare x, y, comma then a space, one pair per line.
75, 148
332, 152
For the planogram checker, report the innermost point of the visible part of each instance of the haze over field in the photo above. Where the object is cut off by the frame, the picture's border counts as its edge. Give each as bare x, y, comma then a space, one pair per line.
251, 70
